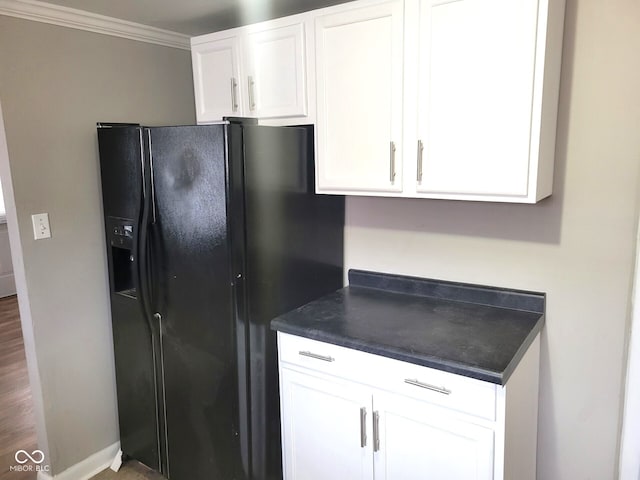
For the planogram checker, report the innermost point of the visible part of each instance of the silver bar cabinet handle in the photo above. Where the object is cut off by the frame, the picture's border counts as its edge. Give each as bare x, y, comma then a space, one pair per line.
433, 388
420, 149
363, 427
392, 161
376, 431
316, 356
252, 100
234, 95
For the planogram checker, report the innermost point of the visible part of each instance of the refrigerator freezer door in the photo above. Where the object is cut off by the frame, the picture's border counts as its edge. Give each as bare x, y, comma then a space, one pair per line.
121, 170
192, 293
121, 165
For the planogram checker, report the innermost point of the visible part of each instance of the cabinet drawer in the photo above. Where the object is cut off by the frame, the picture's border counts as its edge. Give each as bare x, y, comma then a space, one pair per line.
456, 392
320, 356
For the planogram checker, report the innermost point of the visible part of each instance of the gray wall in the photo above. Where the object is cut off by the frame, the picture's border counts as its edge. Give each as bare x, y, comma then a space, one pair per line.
578, 245
55, 84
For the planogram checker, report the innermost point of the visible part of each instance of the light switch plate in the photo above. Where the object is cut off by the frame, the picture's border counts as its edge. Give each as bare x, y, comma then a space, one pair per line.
41, 226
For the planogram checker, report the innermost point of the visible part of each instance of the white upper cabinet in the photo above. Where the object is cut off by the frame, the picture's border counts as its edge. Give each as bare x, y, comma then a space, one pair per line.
216, 73
478, 109
276, 76
261, 70
359, 52
449, 99
471, 108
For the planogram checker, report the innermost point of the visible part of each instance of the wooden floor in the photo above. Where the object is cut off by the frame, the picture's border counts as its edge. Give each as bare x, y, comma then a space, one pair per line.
131, 470
17, 425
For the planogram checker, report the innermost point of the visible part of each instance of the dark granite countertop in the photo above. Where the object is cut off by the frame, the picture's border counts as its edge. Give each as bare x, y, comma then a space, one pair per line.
471, 330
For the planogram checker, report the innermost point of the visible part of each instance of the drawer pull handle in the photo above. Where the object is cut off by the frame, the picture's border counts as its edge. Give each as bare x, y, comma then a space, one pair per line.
316, 356
433, 388
363, 427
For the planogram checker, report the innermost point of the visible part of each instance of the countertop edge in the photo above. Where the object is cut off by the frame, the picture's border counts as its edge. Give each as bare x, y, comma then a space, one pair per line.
397, 354
533, 302
515, 361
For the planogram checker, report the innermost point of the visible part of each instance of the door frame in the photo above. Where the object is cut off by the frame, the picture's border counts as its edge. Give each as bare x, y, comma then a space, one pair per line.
630, 433
23, 294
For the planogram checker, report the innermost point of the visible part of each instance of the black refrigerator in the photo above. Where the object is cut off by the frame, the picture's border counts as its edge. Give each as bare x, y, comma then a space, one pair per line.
211, 231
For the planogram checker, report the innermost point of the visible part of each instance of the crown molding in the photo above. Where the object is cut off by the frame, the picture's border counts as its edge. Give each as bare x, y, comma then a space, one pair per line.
92, 22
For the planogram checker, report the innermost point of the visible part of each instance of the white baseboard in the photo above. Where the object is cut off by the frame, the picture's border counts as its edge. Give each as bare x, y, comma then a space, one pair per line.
7, 285
88, 467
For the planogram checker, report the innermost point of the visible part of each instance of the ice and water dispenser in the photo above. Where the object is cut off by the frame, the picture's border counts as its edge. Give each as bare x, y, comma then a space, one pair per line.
122, 262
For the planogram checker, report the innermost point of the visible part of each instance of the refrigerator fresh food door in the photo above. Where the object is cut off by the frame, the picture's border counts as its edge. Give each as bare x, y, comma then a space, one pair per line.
192, 300
294, 254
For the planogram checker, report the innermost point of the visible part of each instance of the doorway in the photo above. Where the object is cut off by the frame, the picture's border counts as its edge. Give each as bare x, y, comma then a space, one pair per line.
17, 386
630, 438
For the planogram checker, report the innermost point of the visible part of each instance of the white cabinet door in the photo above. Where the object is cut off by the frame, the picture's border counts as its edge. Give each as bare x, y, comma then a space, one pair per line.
216, 77
276, 71
321, 428
359, 61
418, 440
475, 94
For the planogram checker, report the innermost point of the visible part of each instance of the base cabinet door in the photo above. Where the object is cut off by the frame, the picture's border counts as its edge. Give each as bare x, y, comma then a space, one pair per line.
414, 440
324, 428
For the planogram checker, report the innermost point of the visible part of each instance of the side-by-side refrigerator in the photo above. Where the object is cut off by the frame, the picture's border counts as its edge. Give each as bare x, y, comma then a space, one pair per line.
211, 231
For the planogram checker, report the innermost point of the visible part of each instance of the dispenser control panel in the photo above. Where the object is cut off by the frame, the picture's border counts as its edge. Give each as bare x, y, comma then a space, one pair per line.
123, 230
120, 232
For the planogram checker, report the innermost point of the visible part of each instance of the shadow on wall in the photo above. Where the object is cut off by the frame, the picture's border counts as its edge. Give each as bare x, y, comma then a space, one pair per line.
539, 223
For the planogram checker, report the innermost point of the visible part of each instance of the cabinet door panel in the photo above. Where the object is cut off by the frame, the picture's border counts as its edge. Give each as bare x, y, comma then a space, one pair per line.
476, 75
277, 70
216, 76
419, 440
359, 61
321, 428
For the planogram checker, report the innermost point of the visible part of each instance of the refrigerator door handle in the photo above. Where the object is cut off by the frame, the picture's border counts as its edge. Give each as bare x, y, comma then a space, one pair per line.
139, 239
143, 237
151, 180
144, 180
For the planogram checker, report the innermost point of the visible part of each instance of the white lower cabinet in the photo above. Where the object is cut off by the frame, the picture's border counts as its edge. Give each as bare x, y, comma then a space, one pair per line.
353, 415
323, 428
416, 437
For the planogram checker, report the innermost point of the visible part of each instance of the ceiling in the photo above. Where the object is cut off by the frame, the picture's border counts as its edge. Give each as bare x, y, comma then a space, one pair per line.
195, 17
